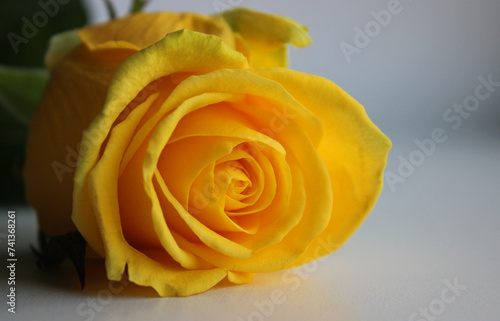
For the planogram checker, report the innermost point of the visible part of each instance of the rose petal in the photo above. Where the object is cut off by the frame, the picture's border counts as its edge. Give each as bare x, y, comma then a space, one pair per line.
240, 277
164, 274
162, 135
263, 37
320, 201
185, 163
131, 77
262, 180
353, 149
206, 235
140, 196
182, 161
141, 30
72, 98
312, 203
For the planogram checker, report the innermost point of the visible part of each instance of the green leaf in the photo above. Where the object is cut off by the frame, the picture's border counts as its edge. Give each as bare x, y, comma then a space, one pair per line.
110, 8
20, 91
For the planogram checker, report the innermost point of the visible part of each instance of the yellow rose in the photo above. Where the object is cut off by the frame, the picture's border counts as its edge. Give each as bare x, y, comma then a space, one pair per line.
195, 164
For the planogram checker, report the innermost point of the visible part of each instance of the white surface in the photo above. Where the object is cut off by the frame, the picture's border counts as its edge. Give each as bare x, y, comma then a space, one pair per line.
441, 224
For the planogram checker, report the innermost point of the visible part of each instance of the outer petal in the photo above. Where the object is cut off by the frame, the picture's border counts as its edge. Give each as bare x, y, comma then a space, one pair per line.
263, 37
169, 279
141, 30
74, 95
353, 149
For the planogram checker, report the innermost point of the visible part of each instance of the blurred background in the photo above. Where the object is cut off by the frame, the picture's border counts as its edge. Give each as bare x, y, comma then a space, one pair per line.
428, 74
23, 45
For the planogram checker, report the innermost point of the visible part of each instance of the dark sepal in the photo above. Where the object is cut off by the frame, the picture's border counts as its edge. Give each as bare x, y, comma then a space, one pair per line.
55, 249
138, 5
110, 8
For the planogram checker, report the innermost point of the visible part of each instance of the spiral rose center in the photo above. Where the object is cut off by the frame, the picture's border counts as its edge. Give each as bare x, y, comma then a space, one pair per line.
232, 179
232, 186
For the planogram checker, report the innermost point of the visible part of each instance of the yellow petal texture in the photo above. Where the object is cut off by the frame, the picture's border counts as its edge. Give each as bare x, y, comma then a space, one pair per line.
263, 37
283, 253
168, 277
143, 29
180, 52
97, 192
253, 132
353, 149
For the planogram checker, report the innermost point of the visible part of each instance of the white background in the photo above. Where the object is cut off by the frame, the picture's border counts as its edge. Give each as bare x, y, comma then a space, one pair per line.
440, 225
